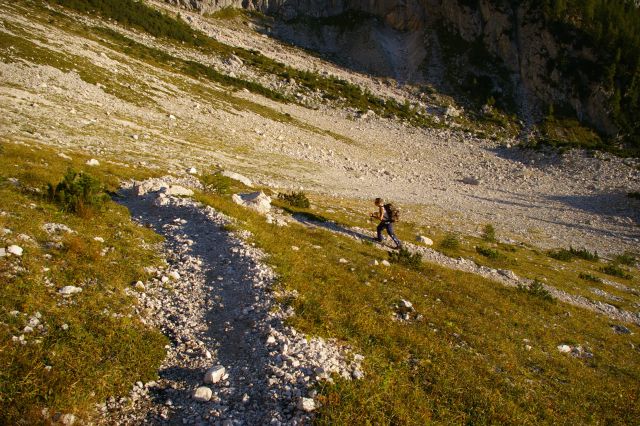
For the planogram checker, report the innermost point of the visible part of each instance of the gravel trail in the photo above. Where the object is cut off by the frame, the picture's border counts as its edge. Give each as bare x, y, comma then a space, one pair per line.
214, 301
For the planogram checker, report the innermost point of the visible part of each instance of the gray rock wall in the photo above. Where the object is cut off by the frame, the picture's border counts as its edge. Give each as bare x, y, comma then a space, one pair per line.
399, 43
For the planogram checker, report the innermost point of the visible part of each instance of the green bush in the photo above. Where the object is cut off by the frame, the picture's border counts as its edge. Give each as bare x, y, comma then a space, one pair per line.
489, 233
406, 258
536, 289
562, 254
616, 271
584, 254
626, 258
635, 195
450, 242
490, 253
590, 277
78, 192
568, 255
217, 183
295, 199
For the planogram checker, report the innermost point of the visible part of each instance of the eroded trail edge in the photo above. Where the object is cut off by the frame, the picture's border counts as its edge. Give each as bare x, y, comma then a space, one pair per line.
215, 303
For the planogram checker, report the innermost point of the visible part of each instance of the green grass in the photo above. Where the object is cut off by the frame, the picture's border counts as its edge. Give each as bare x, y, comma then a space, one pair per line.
466, 362
98, 355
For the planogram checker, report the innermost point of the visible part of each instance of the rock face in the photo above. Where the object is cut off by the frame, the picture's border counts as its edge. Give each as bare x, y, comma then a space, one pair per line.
421, 40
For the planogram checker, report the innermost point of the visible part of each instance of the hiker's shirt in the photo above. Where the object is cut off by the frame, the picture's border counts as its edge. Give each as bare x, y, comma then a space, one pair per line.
385, 215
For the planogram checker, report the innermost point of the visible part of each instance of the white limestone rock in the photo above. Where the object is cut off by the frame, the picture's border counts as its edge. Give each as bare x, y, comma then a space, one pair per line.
306, 404
15, 250
70, 290
257, 201
57, 228
237, 176
424, 240
93, 162
214, 374
177, 190
202, 394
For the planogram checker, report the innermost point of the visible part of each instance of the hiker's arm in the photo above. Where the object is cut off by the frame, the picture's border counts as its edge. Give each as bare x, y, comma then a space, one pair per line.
380, 213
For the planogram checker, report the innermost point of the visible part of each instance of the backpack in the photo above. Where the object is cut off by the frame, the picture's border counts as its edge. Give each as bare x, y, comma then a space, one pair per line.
393, 212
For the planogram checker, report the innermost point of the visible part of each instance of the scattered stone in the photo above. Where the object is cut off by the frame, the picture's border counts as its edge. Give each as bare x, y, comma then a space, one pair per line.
98, 239
257, 201
424, 240
214, 374
3, 252
69, 290
57, 228
93, 162
202, 394
15, 250
565, 349
175, 275
374, 262
237, 176
64, 156
295, 248
192, 171
67, 419
140, 286
343, 260
452, 112
385, 263
306, 404
471, 180
620, 329
405, 306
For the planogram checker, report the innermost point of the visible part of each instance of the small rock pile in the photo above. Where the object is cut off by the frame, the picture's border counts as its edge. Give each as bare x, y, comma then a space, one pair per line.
404, 311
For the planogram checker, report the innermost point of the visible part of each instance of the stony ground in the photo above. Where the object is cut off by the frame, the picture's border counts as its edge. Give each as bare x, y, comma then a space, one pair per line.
215, 301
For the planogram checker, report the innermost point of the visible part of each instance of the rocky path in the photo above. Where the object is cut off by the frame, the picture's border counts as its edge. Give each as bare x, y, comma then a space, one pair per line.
230, 360
503, 276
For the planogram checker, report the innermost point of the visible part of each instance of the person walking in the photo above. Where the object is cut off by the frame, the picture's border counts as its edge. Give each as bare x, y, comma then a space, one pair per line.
387, 214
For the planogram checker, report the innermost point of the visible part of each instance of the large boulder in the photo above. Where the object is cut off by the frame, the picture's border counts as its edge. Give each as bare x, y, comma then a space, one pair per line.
257, 201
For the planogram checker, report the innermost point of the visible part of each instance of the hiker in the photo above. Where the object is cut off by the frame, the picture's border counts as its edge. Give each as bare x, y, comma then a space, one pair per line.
386, 214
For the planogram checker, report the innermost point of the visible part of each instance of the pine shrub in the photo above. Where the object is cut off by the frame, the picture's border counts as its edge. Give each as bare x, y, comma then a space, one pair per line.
78, 192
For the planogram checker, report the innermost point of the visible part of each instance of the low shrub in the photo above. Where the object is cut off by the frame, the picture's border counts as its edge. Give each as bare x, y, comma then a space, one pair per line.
626, 258
450, 242
562, 254
616, 271
217, 183
568, 255
589, 277
406, 258
489, 233
490, 253
78, 192
584, 254
635, 195
536, 289
296, 199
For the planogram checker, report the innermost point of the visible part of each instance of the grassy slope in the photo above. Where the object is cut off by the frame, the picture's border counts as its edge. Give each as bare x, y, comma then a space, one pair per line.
467, 361
98, 355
